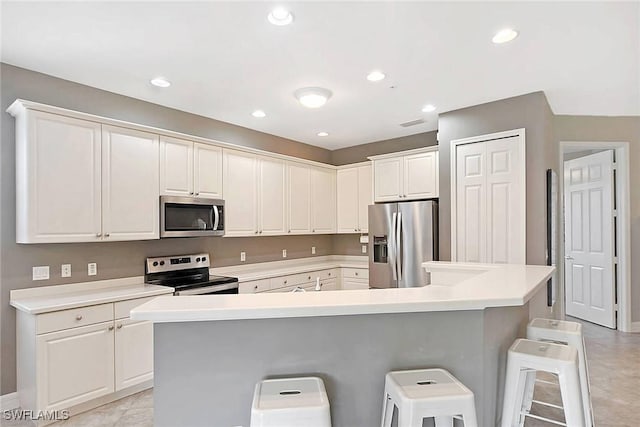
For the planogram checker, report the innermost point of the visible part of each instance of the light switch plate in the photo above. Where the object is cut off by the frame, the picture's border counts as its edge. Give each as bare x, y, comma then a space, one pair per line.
243, 256
364, 249
65, 270
41, 272
92, 269
313, 250
284, 253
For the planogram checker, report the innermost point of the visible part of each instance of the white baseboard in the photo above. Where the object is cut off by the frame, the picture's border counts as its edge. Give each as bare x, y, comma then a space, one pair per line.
635, 327
9, 401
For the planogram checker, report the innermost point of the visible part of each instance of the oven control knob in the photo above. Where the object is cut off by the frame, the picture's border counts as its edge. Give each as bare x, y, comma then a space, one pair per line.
155, 263
161, 262
204, 258
197, 259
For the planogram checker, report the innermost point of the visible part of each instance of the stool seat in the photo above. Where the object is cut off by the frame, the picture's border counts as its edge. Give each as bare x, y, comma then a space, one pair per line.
425, 393
290, 402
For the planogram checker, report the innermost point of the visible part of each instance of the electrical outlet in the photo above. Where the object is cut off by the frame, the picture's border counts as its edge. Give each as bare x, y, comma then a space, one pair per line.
364, 249
284, 253
92, 269
65, 270
313, 250
41, 273
243, 256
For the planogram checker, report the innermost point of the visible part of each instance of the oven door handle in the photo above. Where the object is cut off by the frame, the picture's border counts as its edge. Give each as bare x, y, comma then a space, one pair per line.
208, 289
216, 214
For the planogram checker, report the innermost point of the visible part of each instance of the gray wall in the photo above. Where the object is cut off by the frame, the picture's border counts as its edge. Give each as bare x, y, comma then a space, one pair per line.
359, 153
619, 129
531, 112
117, 259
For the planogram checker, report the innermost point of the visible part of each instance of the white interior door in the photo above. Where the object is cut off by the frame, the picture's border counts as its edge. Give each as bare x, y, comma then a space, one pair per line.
589, 234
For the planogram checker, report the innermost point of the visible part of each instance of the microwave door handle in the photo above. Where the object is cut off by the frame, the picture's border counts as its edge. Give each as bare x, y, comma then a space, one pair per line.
216, 214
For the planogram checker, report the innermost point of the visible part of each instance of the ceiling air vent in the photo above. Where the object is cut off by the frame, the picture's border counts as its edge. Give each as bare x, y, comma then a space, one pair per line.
412, 123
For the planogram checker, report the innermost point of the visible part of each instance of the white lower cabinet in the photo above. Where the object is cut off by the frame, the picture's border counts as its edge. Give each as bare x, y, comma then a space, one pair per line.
64, 362
329, 280
355, 278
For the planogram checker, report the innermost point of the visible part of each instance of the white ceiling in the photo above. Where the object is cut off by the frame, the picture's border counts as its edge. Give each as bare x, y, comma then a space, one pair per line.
225, 60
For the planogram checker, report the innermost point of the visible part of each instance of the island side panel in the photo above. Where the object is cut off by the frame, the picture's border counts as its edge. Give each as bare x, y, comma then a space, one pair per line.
205, 372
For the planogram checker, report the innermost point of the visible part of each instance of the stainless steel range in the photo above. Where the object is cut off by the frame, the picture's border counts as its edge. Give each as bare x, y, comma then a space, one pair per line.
188, 275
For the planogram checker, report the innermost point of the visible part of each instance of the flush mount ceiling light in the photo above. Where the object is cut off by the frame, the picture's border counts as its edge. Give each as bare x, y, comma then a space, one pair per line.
259, 114
504, 36
375, 76
312, 97
280, 16
323, 133
428, 108
160, 82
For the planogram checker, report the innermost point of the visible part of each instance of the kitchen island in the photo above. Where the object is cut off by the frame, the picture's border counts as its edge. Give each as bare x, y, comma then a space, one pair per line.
211, 350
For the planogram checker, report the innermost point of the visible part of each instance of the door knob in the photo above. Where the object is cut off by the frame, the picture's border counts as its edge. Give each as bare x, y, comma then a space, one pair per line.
568, 257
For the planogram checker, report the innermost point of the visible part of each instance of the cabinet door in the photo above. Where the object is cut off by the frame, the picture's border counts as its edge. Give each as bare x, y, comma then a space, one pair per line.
365, 197
74, 365
323, 201
351, 284
240, 179
133, 353
176, 167
421, 176
58, 180
207, 171
299, 198
130, 184
388, 176
272, 194
348, 200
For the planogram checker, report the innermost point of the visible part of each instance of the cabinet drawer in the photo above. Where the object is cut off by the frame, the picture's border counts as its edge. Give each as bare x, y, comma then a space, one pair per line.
254, 286
72, 318
290, 280
123, 308
351, 284
355, 273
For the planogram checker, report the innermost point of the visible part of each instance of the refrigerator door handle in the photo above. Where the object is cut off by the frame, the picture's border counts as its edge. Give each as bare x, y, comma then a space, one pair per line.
398, 245
392, 246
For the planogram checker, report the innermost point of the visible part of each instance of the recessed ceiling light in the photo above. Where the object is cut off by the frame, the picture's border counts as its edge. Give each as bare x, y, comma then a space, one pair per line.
504, 36
160, 82
428, 108
375, 76
280, 16
313, 97
259, 114
323, 133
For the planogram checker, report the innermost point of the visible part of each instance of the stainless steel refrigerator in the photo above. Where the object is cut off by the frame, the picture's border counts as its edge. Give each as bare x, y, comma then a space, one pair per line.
401, 237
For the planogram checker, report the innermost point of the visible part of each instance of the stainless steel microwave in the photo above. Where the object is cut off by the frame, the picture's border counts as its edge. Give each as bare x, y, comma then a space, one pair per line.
191, 217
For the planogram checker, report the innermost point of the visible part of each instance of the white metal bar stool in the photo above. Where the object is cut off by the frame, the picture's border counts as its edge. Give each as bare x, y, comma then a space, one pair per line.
426, 393
524, 359
290, 402
569, 333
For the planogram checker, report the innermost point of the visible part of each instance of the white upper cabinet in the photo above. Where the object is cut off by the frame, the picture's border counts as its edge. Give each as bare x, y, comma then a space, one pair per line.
354, 195
323, 200
130, 207
299, 197
409, 175
57, 179
82, 181
272, 191
190, 168
240, 191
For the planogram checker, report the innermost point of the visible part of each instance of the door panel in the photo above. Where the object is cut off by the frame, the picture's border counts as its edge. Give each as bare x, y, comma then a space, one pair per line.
207, 171
272, 194
365, 197
240, 179
347, 200
299, 196
420, 175
323, 201
133, 353
388, 177
176, 167
471, 203
382, 248
589, 238
416, 241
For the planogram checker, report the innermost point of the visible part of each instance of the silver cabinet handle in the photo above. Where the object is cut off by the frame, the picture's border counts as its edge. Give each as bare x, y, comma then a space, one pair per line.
256, 232
98, 234
106, 234
356, 273
355, 229
260, 231
191, 193
309, 278
285, 282
255, 287
289, 231
79, 317
568, 257
197, 194
111, 328
329, 274
120, 326
314, 230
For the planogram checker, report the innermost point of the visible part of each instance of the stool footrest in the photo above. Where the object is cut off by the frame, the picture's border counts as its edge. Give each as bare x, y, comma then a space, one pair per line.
549, 420
551, 405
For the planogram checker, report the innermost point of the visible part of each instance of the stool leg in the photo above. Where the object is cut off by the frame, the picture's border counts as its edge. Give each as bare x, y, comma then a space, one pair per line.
443, 421
585, 384
404, 418
469, 414
571, 396
513, 394
529, 387
387, 411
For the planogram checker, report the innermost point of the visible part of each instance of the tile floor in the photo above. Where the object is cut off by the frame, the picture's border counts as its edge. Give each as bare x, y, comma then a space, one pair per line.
614, 369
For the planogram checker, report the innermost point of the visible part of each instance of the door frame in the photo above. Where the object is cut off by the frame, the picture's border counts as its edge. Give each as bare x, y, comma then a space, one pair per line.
623, 196
520, 134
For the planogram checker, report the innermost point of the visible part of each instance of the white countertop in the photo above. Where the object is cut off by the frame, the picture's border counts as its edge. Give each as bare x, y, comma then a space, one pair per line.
266, 270
455, 287
62, 297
